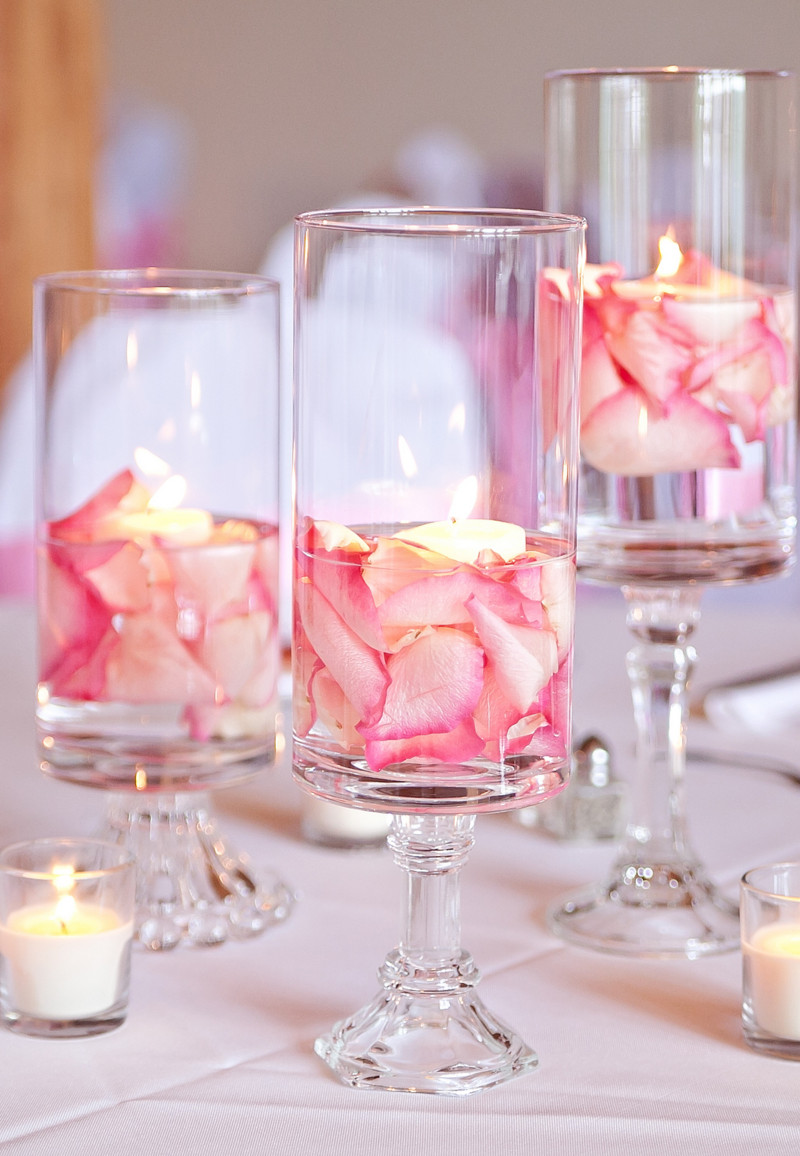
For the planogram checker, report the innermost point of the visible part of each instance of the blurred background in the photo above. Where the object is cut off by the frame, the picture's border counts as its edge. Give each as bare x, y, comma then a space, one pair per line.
189, 132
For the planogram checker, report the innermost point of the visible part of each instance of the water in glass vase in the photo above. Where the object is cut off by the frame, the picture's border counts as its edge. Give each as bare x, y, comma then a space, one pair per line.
687, 428
422, 679
158, 647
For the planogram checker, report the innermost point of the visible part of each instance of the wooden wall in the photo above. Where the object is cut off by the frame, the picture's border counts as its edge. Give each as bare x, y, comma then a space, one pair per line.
50, 53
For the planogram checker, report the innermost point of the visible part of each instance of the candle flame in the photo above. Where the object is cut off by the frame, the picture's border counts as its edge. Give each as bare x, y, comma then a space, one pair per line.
464, 499
151, 465
65, 912
408, 462
169, 494
63, 877
671, 255
457, 421
132, 350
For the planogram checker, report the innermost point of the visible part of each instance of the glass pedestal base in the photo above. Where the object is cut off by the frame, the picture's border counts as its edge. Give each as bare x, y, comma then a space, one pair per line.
658, 910
191, 886
415, 1038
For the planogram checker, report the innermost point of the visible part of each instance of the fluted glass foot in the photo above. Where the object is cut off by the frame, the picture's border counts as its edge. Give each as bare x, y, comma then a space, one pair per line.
442, 1041
191, 886
427, 1031
656, 910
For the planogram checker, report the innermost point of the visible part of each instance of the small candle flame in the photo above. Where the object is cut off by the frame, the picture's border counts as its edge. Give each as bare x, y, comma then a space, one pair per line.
151, 465
408, 462
671, 255
63, 877
457, 421
65, 912
464, 499
169, 494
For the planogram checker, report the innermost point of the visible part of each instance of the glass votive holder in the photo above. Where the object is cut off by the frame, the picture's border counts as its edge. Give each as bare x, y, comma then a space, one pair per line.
66, 927
770, 925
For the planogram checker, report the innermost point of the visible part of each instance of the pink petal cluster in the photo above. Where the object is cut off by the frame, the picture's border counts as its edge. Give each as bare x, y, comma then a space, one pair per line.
672, 365
403, 655
141, 621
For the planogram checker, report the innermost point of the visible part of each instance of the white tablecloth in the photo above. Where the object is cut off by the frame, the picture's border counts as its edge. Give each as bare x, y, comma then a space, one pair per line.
636, 1057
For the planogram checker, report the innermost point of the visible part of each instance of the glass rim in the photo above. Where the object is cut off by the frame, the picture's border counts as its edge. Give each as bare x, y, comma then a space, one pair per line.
748, 883
155, 282
125, 861
665, 72
441, 221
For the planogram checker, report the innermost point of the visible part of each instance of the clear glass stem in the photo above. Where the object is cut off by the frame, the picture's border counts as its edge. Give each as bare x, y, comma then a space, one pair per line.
426, 1030
658, 900
659, 667
432, 850
191, 887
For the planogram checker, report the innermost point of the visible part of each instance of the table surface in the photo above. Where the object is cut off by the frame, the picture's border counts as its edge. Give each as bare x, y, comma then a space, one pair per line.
636, 1056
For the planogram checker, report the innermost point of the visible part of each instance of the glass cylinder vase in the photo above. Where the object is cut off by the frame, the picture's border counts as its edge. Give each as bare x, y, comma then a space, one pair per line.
436, 357
157, 401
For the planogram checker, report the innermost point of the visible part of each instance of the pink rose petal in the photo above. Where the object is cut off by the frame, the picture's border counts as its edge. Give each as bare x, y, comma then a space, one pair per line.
72, 619
357, 668
86, 680
624, 436
233, 650
523, 658
394, 563
442, 601
558, 592
121, 580
212, 578
434, 686
600, 378
151, 664
341, 582
494, 715
304, 664
122, 492
653, 353
456, 746
334, 710
709, 322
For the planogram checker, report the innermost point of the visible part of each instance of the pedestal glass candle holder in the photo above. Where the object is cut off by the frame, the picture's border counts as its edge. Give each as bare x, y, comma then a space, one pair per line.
686, 179
157, 398
435, 469
770, 924
66, 926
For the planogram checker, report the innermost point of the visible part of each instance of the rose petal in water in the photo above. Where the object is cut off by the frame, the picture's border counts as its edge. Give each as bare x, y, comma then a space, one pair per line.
434, 686
358, 669
524, 658
151, 664
456, 746
626, 436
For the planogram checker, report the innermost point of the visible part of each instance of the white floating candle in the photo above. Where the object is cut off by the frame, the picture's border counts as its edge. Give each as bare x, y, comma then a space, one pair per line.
180, 527
463, 540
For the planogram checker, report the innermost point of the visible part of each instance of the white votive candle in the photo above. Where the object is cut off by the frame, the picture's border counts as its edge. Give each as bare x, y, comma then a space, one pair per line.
773, 957
66, 927
342, 826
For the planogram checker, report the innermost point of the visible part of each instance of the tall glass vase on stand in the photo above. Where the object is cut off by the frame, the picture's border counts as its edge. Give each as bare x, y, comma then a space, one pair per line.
686, 178
435, 469
157, 395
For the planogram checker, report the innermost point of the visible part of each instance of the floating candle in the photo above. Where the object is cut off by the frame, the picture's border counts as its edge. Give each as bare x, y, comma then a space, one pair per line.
181, 527
464, 540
